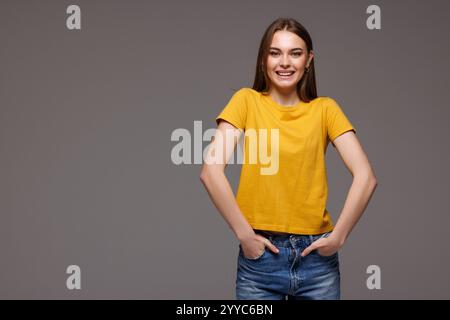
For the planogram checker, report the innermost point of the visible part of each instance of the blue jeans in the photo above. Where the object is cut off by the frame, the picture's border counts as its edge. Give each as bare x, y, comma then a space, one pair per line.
288, 275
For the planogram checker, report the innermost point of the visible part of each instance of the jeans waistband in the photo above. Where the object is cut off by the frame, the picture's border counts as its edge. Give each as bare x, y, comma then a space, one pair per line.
289, 239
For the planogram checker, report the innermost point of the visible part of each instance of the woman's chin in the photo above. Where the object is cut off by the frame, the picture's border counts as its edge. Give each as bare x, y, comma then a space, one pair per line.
284, 84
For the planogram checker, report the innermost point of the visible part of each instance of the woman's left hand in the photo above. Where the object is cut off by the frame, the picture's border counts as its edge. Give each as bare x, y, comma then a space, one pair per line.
326, 246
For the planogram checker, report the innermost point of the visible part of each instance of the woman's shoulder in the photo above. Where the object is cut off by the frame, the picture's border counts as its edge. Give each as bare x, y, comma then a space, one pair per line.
246, 91
326, 102
329, 102
324, 99
245, 95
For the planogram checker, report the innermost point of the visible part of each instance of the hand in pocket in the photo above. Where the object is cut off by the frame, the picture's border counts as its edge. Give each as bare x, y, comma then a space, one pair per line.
254, 247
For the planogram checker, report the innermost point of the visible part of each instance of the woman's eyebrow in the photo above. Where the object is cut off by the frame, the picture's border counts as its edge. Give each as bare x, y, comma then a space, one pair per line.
293, 49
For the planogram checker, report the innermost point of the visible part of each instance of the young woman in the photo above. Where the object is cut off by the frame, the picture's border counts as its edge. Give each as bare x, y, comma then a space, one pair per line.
288, 244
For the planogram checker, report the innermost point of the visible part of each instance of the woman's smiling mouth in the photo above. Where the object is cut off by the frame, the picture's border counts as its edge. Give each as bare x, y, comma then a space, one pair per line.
285, 74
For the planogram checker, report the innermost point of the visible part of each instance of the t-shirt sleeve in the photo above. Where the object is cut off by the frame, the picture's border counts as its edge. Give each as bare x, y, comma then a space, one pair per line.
235, 112
336, 121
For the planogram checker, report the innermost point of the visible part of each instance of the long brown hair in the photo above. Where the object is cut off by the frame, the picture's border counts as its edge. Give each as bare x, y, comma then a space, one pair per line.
306, 87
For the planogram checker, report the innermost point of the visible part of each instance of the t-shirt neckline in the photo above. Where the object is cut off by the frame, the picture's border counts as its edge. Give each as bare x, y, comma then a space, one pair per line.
281, 107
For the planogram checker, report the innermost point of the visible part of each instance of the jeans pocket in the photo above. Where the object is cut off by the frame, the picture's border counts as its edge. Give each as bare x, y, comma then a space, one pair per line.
324, 235
241, 253
330, 256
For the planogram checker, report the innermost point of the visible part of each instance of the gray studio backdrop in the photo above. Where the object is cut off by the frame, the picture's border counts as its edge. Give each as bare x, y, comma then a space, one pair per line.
86, 117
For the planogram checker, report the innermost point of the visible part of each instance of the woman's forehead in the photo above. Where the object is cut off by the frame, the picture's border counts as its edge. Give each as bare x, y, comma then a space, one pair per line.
287, 40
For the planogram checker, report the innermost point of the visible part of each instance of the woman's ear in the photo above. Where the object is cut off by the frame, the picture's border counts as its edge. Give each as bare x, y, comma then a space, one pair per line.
311, 56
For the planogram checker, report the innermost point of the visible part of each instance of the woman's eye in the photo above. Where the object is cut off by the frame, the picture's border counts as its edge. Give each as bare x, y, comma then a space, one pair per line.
297, 54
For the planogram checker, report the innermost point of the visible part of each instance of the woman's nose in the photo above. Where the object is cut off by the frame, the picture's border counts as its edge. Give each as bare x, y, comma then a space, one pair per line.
284, 61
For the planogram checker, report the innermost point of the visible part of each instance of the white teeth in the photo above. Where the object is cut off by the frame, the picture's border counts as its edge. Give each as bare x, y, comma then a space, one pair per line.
285, 73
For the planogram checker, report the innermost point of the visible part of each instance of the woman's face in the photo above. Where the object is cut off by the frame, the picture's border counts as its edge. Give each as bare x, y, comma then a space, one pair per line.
287, 60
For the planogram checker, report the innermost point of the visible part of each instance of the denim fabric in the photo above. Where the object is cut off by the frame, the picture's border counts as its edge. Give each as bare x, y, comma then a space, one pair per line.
288, 275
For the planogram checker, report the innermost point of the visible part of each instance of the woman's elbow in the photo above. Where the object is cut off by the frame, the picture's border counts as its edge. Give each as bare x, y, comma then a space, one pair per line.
368, 176
203, 174
373, 180
207, 172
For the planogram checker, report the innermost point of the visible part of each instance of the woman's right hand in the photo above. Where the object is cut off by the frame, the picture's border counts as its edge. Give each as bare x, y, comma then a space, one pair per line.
254, 246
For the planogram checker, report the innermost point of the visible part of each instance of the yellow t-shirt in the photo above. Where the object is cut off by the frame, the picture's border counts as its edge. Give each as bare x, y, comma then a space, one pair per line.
293, 198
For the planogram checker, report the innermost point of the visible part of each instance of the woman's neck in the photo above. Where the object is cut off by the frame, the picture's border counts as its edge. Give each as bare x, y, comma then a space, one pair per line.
284, 98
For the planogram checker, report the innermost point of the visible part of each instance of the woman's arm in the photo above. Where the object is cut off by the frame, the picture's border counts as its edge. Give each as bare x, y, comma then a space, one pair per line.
359, 195
216, 183
362, 188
